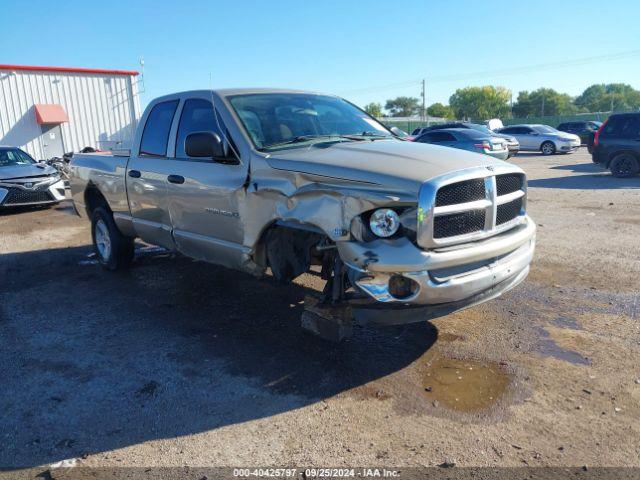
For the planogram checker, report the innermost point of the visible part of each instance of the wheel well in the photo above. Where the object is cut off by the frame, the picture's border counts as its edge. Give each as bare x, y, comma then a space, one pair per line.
289, 250
93, 199
618, 152
547, 141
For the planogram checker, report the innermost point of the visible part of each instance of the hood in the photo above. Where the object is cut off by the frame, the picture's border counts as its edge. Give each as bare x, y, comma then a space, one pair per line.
566, 135
392, 163
22, 171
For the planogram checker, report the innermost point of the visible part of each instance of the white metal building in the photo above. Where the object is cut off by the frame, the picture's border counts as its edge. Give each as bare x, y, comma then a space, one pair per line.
51, 110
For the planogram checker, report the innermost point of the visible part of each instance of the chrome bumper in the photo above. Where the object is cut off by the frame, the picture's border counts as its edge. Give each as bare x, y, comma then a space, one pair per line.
446, 275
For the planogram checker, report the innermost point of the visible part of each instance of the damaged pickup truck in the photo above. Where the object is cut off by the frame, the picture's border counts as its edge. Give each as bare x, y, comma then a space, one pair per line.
292, 182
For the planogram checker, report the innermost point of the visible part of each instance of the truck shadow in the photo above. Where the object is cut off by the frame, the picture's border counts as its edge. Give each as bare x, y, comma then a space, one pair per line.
98, 361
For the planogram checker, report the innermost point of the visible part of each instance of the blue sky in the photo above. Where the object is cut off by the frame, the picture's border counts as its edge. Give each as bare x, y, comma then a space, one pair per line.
363, 50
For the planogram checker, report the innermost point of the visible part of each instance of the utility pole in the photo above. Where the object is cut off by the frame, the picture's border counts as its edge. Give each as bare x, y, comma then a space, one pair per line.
542, 113
424, 112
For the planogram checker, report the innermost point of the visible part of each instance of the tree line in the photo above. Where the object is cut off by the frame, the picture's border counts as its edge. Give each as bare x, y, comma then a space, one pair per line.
481, 103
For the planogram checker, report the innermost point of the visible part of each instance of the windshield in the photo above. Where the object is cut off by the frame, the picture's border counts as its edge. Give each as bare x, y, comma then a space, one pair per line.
544, 129
13, 156
285, 120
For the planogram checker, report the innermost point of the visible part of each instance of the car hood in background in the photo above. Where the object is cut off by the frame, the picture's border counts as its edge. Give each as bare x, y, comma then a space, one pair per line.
22, 171
384, 162
508, 138
565, 135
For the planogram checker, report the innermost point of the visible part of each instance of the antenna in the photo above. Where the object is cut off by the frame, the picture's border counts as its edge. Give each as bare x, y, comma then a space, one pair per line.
144, 88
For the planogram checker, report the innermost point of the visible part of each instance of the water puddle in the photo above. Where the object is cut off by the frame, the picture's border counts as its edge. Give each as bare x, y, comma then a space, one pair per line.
464, 385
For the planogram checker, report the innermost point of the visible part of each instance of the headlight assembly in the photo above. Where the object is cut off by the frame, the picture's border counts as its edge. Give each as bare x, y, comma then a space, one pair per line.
384, 222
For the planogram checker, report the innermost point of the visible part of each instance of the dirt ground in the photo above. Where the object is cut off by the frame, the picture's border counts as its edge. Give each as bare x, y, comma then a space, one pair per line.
180, 363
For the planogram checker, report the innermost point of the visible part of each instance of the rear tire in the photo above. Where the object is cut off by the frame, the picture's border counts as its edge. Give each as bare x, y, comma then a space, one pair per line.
548, 148
624, 165
113, 250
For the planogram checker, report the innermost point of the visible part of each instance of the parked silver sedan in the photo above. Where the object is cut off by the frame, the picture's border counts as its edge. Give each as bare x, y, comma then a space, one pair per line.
542, 138
23, 181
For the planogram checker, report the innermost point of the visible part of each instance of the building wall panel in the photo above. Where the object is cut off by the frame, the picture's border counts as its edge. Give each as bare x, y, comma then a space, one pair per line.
103, 108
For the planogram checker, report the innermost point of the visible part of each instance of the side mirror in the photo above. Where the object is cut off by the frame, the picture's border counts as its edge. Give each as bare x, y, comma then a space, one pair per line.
397, 132
203, 145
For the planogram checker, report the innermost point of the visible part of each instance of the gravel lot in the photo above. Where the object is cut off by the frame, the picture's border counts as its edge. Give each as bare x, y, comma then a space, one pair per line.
180, 363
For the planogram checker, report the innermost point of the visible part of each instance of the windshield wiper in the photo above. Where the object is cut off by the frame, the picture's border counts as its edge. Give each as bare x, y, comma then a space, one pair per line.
298, 139
365, 136
306, 138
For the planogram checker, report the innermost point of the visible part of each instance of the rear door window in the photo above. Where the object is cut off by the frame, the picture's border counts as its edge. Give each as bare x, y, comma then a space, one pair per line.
155, 136
627, 126
437, 137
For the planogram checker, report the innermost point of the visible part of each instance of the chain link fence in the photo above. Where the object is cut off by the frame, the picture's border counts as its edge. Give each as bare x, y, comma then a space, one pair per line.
410, 124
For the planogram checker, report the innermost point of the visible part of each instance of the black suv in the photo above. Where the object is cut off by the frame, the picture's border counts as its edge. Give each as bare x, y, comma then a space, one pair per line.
584, 129
616, 144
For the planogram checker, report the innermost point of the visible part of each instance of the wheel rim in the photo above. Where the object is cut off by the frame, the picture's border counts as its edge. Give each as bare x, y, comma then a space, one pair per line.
547, 148
625, 166
103, 241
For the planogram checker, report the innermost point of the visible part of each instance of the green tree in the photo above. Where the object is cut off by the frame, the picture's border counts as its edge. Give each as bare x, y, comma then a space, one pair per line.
543, 101
439, 110
403, 106
373, 109
606, 97
480, 103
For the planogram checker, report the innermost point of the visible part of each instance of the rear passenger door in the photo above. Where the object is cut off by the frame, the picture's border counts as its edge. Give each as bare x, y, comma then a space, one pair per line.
205, 195
146, 176
528, 138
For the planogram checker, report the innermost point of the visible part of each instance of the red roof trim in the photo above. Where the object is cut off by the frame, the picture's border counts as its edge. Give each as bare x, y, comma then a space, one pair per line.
68, 70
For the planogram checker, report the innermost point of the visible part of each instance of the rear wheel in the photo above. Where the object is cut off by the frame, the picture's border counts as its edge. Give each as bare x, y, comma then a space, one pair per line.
113, 250
624, 165
548, 148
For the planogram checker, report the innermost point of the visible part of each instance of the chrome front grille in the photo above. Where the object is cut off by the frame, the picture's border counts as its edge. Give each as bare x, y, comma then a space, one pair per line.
470, 205
461, 192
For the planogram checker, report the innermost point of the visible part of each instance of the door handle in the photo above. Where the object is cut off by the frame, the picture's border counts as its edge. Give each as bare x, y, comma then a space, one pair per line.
134, 173
175, 179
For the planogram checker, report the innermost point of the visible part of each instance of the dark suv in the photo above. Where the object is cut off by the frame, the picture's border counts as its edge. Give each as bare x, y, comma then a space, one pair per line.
584, 129
616, 144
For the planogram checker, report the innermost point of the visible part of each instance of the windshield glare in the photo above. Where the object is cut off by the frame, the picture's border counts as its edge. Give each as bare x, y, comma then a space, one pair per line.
11, 157
272, 119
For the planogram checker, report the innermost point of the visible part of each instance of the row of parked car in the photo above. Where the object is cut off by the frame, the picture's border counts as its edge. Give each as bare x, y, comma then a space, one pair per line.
614, 144
501, 143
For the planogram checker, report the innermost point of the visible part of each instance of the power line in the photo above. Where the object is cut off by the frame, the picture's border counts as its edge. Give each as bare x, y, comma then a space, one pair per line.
502, 72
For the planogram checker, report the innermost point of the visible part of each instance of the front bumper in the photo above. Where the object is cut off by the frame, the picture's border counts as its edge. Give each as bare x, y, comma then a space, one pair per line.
568, 147
18, 196
451, 275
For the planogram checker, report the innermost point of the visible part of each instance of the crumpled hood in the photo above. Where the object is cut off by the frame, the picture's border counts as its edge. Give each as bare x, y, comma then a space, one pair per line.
20, 171
384, 162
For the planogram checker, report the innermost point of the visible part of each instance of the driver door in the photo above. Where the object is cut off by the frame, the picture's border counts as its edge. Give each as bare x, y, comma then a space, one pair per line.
204, 194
